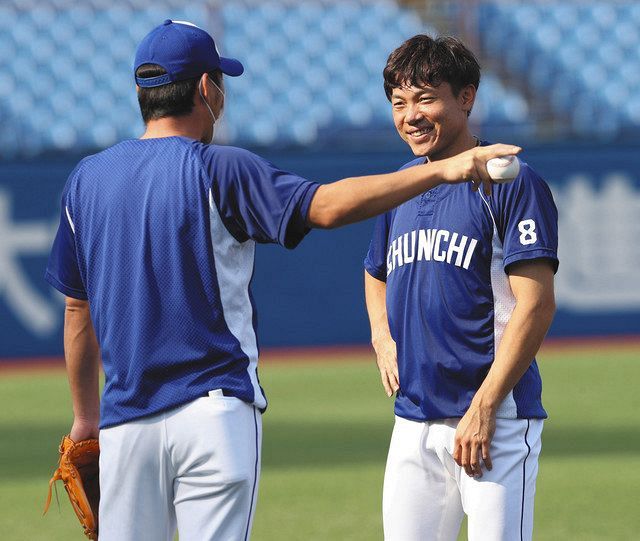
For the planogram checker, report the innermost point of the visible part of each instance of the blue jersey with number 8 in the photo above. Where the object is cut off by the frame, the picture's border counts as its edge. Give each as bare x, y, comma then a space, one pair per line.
444, 256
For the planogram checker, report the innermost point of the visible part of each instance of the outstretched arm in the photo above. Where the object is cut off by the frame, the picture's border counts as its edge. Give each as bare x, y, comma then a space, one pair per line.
385, 347
532, 286
82, 356
354, 199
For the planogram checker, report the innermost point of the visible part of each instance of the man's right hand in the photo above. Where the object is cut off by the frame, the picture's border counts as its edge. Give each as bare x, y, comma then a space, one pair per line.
471, 165
387, 360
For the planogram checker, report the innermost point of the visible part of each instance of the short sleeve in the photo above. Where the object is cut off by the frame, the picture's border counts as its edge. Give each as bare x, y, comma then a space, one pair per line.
63, 271
527, 219
376, 261
256, 199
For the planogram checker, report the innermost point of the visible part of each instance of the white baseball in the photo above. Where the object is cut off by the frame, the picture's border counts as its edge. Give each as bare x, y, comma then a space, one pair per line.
503, 169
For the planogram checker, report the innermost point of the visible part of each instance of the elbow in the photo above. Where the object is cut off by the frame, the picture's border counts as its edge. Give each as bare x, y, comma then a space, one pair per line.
335, 220
548, 305
552, 307
551, 310
328, 219
544, 309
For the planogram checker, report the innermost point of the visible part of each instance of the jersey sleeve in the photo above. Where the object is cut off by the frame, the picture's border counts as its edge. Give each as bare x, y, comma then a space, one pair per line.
63, 271
256, 199
527, 219
375, 263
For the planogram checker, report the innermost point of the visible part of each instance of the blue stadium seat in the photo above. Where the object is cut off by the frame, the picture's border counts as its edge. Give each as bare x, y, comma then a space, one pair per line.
588, 52
63, 136
564, 15
604, 15
311, 67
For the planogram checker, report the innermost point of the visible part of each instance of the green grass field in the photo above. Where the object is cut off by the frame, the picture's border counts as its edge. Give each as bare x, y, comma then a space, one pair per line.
325, 440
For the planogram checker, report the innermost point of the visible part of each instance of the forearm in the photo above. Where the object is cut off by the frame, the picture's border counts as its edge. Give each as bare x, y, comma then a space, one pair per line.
375, 295
520, 343
381, 340
354, 199
82, 357
532, 285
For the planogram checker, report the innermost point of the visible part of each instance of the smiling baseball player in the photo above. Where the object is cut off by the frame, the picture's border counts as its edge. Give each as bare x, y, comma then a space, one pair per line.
155, 254
459, 288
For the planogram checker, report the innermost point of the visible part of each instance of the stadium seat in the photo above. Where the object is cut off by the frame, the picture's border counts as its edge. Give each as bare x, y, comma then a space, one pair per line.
583, 58
311, 67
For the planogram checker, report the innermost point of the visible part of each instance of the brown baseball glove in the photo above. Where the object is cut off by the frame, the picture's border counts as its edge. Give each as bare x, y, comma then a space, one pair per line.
78, 470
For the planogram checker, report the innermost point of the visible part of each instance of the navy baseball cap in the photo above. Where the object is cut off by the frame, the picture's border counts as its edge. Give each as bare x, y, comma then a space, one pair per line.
184, 50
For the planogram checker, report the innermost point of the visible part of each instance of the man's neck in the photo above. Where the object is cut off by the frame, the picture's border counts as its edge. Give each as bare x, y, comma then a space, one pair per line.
171, 127
465, 142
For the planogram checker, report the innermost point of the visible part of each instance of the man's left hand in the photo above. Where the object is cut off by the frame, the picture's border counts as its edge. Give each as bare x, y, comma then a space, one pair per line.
473, 440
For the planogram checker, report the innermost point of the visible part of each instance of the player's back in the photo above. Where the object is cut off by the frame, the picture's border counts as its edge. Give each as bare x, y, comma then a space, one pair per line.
141, 218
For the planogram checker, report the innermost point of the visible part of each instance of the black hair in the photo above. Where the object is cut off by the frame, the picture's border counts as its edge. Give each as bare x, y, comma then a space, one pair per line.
173, 99
425, 61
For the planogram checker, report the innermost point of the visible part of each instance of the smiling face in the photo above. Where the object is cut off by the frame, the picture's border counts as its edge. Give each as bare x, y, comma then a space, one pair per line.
433, 121
431, 84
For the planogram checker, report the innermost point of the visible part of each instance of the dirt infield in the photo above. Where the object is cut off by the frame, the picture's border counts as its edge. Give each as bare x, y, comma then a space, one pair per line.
337, 353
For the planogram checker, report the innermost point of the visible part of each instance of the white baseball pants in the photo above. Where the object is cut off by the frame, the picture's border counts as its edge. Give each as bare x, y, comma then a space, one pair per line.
195, 467
426, 494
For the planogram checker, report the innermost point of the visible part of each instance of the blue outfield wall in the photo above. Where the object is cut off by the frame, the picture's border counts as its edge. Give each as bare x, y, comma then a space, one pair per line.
313, 294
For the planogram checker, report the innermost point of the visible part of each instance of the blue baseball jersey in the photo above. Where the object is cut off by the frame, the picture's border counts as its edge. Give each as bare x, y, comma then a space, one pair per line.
444, 256
159, 235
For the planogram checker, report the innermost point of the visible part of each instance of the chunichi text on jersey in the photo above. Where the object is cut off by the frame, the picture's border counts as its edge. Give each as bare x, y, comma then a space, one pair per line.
430, 245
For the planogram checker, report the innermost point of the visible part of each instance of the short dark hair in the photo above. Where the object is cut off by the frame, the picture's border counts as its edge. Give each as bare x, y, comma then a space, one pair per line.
173, 99
422, 61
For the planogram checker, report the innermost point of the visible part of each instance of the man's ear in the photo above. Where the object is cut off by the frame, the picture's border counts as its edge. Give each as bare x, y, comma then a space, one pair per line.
202, 85
467, 98
204, 88
213, 93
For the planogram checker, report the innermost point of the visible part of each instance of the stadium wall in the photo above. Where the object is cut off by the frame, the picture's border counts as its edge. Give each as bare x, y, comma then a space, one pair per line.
313, 295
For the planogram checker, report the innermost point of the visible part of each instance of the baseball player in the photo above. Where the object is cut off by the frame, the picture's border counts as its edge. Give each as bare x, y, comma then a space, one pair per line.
155, 254
459, 289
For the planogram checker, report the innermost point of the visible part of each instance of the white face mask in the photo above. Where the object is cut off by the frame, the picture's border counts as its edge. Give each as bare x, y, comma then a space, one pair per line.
213, 124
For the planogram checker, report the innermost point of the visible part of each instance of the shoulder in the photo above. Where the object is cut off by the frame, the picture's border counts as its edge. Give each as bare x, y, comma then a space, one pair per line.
89, 162
82, 169
529, 176
528, 180
107, 157
222, 154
